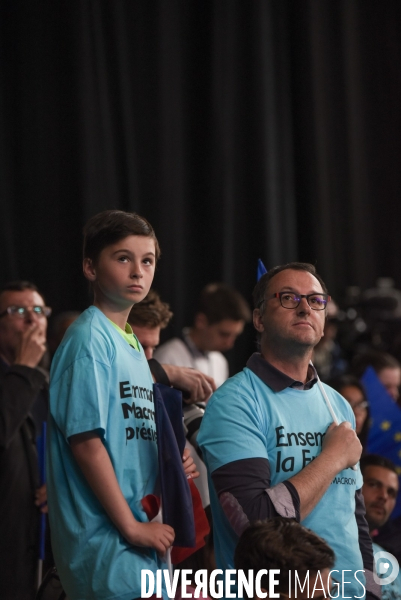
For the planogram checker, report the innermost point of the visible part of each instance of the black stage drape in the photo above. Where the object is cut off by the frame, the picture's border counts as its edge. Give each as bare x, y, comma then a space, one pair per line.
239, 128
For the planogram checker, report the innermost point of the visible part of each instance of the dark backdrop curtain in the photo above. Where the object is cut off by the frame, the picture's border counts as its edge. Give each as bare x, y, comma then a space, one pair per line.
238, 128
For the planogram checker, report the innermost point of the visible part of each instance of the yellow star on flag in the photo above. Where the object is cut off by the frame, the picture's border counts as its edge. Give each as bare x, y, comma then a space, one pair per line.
398, 469
397, 436
385, 425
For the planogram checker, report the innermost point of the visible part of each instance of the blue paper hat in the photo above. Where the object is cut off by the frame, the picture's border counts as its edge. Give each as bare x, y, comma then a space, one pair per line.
261, 269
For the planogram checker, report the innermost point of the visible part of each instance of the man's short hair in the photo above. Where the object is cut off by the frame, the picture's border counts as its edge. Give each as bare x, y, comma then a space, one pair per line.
20, 286
376, 460
260, 288
150, 312
219, 301
282, 544
111, 226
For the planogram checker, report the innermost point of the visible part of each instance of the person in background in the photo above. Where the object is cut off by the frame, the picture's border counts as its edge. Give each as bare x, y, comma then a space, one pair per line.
147, 318
23, 409
59, 325
387, 368
380, 490
285, 545
353, 391
219, 319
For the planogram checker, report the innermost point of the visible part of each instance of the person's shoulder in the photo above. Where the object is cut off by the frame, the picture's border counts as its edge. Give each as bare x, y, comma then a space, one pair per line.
173, 346
218, 357
238, 385
89, 336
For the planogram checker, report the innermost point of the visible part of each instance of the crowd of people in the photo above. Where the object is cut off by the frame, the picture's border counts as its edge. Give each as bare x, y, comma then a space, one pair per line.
279, 452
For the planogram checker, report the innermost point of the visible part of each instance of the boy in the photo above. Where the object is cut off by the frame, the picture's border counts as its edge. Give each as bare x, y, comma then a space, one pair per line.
102, 461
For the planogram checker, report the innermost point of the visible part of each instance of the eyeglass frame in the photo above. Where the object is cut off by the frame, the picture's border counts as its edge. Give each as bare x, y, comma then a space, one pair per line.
300, 296
46, 311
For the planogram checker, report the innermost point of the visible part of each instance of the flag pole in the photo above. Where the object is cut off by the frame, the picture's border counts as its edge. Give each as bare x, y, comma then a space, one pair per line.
329, 405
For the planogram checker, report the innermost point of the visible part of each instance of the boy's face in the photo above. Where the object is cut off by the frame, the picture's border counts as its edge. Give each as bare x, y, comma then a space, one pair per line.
123, 273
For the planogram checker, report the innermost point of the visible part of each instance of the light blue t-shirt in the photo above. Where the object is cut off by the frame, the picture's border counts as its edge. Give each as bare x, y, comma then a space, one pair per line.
98, 382
246, 419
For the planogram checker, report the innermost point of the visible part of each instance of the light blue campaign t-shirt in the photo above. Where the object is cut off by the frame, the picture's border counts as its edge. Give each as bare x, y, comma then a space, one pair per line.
98, 382
246, 419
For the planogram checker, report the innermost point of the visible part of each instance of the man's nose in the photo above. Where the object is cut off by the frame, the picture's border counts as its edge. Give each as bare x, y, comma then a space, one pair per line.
31, 316
303, 306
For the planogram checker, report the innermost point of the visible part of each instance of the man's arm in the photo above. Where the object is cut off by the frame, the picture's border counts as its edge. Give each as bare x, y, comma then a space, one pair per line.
197, 386
21, 384
95, 463
245, 493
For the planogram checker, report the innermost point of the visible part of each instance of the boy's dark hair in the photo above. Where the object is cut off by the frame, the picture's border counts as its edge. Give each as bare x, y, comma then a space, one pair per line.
111, 226
219, 301
259, 291
20, 286
282, 544
377, 360
375, 460
150, 312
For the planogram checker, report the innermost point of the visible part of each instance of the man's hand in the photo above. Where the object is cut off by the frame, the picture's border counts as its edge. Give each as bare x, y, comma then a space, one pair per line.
41, 498
152, 535
342, 446
199, 386
189, 465
32, 346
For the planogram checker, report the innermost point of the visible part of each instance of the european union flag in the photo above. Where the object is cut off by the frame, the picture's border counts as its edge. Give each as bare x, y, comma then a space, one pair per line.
261, 269
385, 431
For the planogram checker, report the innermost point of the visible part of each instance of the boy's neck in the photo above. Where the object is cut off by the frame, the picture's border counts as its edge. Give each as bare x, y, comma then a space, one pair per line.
118, 316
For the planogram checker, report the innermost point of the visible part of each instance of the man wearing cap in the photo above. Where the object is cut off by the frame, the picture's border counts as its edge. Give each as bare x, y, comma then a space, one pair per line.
269, 440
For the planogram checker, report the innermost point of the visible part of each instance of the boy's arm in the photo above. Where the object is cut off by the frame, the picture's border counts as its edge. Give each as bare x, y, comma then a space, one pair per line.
95, 463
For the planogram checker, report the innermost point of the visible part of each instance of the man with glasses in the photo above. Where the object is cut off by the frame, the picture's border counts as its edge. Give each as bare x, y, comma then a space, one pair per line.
23, 408
269, 437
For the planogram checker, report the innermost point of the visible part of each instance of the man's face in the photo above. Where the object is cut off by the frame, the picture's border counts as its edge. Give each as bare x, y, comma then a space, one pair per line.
380, 489
299, 327
12, 326
149, 338
219, 337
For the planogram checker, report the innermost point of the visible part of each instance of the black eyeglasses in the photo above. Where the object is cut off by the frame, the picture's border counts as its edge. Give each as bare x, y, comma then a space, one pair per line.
22, 311
291, 300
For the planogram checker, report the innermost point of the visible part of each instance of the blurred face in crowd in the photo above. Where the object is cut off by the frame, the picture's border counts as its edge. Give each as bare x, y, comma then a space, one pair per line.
12, 326
380, 489
218, 337
149, 338
391, 379
358, 404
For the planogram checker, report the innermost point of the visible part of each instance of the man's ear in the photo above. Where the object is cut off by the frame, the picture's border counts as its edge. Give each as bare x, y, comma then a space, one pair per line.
257, 320
89, 269
201, 321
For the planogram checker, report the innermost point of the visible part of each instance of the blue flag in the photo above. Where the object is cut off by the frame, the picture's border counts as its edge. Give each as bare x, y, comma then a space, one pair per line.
385, 431
261, 269
176, 496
